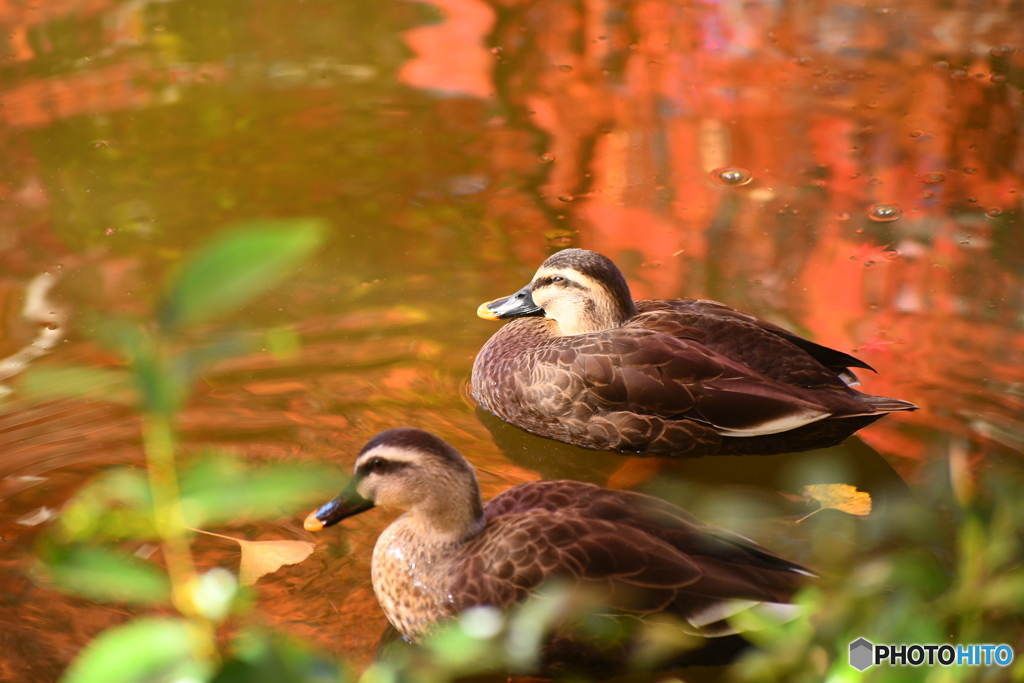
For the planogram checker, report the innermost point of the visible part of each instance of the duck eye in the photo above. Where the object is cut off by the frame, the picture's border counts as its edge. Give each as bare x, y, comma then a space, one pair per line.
377, 464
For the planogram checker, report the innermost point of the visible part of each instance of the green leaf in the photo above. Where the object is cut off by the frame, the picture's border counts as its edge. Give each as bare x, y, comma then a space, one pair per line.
116, 504
103, 574
219, 488
77, 381
262, 657
237, 266
143, 651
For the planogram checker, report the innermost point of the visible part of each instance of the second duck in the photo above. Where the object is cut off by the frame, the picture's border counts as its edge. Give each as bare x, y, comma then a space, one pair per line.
586, 364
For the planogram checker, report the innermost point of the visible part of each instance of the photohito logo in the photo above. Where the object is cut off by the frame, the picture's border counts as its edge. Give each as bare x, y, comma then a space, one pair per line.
864, 653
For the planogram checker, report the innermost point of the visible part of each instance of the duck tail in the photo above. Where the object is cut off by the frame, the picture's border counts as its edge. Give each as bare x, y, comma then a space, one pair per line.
884, 404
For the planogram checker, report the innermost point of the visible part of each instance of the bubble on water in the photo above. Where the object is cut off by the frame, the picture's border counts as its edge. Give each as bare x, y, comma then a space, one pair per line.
891, 254
98, 144
733, 176
564, 68
941, 64
818, 183
934, 178
884, 10
883, 213
959, 74
859, 231
546, 158
559, 237
51, 326
869, 264
496, 50
998, 78
803, 61
565, 197
871, 104
110, 231
973, 200
927, 195
1001, 51
969, 170
993, 212
844, 216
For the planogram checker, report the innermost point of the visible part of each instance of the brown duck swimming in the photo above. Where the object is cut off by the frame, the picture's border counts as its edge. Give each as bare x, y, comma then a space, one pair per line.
585, 364
450, 552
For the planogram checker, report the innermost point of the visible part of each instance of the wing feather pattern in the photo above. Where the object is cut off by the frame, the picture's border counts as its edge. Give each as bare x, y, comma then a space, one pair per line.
646, 555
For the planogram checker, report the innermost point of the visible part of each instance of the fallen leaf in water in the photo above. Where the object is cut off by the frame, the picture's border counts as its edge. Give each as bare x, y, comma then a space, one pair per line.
842, 497
260, 558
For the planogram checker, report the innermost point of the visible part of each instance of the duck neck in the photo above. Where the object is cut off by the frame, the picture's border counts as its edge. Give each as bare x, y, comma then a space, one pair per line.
454, 519
595, 316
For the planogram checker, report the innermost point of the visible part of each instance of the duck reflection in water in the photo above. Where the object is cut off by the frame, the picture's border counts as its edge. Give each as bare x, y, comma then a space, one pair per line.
765, 480
583, 363
646, 559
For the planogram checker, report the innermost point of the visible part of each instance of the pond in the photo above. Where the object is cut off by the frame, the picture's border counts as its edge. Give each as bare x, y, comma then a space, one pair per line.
850, 171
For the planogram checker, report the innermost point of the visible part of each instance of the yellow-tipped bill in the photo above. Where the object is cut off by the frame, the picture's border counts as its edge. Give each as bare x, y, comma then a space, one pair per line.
311, 523
484, 312
516, 306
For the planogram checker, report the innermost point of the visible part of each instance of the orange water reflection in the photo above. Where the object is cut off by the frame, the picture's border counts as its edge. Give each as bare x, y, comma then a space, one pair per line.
454, 144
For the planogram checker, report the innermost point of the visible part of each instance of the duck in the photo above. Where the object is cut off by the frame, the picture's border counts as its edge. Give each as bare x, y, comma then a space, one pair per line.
449, 552
580, 361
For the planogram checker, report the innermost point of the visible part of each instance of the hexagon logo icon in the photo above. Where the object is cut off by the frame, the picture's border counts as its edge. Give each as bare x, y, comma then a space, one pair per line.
861, 654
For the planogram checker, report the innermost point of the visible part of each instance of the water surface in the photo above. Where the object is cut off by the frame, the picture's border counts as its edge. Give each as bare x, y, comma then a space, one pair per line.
871, 200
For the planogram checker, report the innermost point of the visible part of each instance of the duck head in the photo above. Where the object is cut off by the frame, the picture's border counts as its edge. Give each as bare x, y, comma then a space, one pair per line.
582, 291
412, 470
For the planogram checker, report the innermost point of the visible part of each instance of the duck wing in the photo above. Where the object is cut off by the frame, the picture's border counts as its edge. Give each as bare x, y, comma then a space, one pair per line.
634, 553
640, 370
771, 350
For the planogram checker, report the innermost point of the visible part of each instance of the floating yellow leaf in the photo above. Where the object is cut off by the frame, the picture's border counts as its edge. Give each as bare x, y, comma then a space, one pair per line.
260, 558
842, 497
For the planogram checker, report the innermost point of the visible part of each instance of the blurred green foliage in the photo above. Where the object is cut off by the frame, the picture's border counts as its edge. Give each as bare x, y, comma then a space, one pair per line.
930, 571
89, 552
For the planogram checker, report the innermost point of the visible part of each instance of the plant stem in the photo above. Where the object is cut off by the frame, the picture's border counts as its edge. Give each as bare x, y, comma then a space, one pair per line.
158, 438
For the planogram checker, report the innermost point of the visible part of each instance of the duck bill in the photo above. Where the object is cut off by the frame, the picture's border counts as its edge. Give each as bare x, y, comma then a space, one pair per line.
347, 504
518, 305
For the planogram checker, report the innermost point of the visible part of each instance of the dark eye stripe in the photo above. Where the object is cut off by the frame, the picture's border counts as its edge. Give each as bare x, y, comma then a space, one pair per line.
550, 280
381, 466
